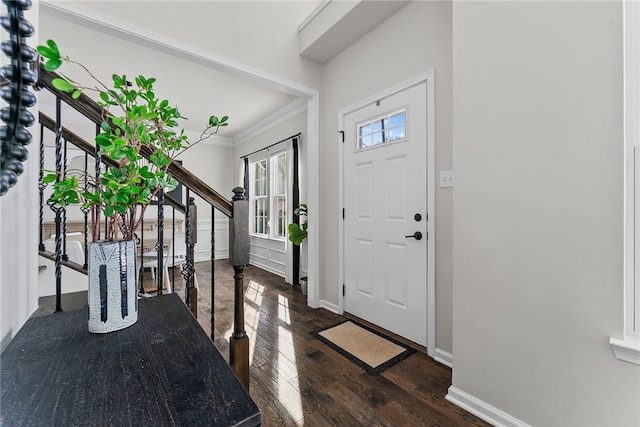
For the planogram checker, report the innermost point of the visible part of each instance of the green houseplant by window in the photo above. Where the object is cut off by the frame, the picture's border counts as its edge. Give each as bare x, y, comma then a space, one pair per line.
297, 233
135, 119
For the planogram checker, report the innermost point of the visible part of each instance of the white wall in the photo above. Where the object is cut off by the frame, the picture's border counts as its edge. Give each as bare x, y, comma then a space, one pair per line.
19, 211
537, 219
214, 165
415, 39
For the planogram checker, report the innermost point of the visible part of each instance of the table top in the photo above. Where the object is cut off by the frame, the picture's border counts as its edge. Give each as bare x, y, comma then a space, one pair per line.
163, 370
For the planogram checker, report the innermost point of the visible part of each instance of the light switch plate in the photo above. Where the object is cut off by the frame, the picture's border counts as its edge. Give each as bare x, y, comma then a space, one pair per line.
446, 179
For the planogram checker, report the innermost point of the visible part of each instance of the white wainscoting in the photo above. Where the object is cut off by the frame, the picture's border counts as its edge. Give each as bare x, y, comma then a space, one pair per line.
268, 254
203, 247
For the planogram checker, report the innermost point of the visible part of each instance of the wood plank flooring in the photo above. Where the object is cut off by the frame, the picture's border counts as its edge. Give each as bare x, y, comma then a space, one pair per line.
296, 380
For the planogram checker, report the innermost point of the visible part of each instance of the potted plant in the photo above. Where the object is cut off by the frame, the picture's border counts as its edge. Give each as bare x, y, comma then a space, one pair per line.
135, 119
297, 234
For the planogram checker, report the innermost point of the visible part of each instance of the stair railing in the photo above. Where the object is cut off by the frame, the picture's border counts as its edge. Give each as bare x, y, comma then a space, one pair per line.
236, 210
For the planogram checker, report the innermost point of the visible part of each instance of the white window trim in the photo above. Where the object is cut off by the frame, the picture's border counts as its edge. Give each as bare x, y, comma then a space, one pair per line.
271, 219
272, 177
253, 197
628, 348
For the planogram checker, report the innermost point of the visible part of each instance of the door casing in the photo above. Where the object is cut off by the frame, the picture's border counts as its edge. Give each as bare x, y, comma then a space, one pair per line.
427, 77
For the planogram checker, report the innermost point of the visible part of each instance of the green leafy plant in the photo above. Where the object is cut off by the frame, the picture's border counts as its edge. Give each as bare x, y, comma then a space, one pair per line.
134, 118
297, 233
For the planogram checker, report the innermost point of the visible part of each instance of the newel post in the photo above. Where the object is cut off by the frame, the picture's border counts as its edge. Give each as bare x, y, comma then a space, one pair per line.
239, 257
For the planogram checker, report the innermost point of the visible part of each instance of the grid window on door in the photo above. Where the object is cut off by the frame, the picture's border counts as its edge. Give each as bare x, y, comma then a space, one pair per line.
388, 128
269, 196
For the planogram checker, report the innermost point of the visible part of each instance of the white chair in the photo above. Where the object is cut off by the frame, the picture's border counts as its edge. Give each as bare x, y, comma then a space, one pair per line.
177, 252
150, 260
75, 251
175, 255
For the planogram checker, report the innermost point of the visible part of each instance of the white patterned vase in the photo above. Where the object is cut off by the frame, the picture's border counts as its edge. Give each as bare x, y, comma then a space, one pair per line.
113, 299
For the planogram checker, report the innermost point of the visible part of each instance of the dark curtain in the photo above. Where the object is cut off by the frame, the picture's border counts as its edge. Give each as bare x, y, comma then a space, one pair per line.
246, 178
296, 219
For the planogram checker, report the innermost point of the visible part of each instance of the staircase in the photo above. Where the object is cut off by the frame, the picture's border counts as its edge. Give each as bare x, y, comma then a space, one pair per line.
174, 217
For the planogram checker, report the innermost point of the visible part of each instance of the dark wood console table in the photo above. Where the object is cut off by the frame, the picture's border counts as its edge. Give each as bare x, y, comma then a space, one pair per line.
162, 371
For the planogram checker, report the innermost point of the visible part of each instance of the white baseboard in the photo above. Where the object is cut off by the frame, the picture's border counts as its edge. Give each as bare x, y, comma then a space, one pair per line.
482, 410
329, 306
443, 357
200, 256
267, 268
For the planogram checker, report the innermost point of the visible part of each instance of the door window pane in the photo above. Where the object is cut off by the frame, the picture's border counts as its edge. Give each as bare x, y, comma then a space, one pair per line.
388, 128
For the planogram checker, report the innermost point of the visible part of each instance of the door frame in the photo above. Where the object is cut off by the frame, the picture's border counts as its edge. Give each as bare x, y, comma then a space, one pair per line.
427, 77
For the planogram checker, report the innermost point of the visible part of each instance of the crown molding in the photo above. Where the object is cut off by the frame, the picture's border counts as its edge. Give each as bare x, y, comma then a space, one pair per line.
218, 140
277, 117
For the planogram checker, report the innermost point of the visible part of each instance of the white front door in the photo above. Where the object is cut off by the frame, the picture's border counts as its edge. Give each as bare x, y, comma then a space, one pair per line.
385, 217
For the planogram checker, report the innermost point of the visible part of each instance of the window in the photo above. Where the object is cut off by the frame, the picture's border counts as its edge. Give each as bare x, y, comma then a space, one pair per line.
388, 128
260, 197
279, 167
269, 196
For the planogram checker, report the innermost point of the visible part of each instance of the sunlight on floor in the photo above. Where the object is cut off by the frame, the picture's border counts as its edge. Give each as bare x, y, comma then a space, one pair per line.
252, 303
288, 386
283, 310
254, 292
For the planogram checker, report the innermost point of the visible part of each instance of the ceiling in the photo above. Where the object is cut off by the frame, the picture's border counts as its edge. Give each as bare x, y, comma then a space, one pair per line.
254, 61
183, 45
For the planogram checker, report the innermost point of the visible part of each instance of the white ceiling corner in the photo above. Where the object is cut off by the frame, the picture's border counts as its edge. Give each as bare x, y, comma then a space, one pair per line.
335, 25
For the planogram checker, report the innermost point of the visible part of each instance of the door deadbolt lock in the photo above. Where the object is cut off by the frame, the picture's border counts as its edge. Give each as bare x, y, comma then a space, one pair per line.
417, 217
417, 235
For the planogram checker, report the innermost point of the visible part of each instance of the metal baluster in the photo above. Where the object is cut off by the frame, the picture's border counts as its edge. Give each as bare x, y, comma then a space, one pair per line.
141, 269
160, 244
173, 250
57, 209
96, 217
65, 256
213, 268
41, 187
85, 211
188, 271
191, 261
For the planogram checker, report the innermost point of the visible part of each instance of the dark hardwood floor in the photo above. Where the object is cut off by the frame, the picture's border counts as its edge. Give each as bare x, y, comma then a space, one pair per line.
297, 380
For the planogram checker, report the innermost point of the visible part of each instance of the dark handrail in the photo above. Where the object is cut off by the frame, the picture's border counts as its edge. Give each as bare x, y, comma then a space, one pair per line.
91, 110
72, 265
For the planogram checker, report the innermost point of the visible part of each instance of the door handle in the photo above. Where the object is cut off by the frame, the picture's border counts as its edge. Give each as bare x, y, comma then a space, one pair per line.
417, 235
